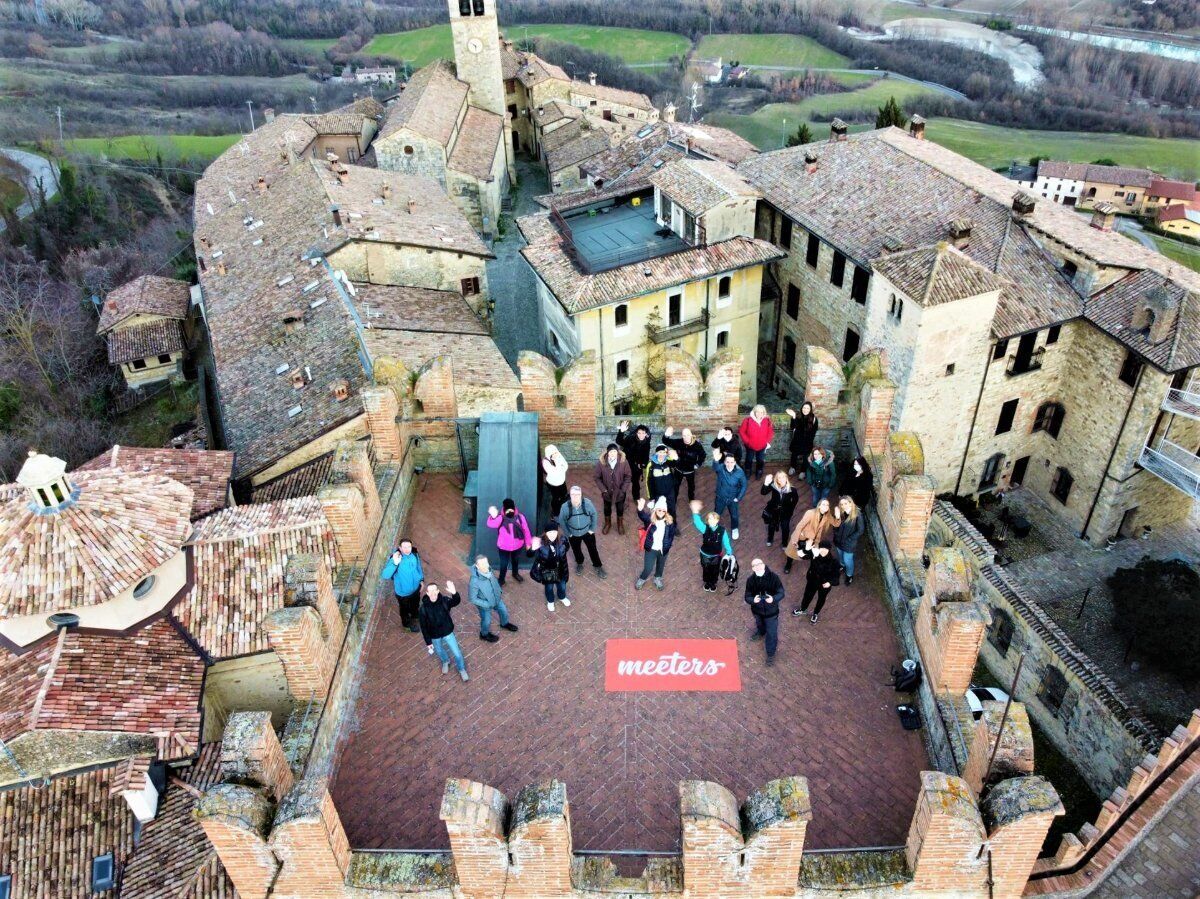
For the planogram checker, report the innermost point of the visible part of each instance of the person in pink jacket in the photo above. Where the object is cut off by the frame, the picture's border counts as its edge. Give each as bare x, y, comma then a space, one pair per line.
757, 432
512, 537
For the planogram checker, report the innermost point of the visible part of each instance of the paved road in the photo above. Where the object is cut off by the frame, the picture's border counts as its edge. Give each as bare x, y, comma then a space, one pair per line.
38, 170
511, 281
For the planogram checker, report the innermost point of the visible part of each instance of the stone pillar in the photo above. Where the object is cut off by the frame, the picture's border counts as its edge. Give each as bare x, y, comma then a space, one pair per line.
906, 495
1014, 755
310, 843
297, 637
352, 465
251, 754
309, 582
236, 820
434, 389
1018, 814
712, 840
382, 408
824, 381
950, 623
474, 815
777, 818
540, 843
875, 415
945, 837
346, 512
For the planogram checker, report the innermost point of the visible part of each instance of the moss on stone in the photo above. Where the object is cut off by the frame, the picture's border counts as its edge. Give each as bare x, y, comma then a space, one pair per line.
598, 874
299, 734
908, 457
785, 799
853, 871
303, 800
43, 753
401, 872
1013, 799
243, 804
544, 800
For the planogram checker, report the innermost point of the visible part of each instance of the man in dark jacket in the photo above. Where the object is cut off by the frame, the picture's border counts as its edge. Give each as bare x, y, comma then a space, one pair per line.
637, 451
728, 442
731, 487
662, 477
437, 627
764, 593
578, 518
692, 456
821, 577
613, 476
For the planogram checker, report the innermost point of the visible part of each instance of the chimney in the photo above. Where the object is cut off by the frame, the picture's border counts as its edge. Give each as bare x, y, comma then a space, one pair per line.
343, 174
411, 205
261, 185
592, 78
810, 161
386, 193
292, 322
340, 389
668, 114
269, 114
331, 158
960, 232
916, 127
204, 242
1023, 204
838, 130
337, 216
297, 374
506, 43
1103, 216
221, 267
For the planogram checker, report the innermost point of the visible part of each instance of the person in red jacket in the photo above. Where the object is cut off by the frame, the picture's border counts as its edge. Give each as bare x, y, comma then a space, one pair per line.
757, 432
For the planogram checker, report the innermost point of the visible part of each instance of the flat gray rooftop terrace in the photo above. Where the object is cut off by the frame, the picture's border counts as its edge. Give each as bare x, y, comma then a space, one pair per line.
621, 234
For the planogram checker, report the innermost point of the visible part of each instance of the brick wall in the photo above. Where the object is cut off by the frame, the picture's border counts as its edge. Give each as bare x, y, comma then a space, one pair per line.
565, 405
297, 636
382, 407
310, 843
1013, 755
236, 820
950, 623
703, 402
251, 754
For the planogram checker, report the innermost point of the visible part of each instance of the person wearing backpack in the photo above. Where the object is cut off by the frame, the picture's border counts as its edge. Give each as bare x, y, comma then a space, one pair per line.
660, 530
404, 570
578, 518
550, 567
512, 536
714, 545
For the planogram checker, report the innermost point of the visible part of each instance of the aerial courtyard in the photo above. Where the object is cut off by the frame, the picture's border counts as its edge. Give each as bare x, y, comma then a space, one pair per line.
536, 708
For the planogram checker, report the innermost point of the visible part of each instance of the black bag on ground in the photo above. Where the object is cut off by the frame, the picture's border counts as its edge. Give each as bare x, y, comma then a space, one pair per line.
907, 678
910, 718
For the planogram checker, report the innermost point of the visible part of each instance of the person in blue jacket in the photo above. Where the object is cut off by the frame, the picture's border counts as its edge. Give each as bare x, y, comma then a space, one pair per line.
404, 570
731, 487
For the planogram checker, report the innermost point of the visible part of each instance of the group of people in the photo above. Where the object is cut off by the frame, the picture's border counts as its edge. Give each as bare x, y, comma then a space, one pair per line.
827, 535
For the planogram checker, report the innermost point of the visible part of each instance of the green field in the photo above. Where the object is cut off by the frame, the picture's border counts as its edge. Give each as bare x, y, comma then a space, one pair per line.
316, 45
1184, 254
146, 146
633, 45
771, 50
12, 194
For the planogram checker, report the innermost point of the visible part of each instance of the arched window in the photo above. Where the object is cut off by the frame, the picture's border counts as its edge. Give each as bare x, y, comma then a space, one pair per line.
1049, 418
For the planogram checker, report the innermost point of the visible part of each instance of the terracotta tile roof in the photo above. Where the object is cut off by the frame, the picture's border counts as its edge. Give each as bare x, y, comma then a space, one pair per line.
336, 123
1172, 213
303, 480
611, 95
429, 104
528, 68
240, 557
417, 309
699, 185
206, 472
938, 274
555, 110
573, 150
147, 683
144, 340
51, 834
147, 295
174, 857
121, 527
577, 291
265, 152
1113, 310
1120, 175
639, 155
1172, 190
1071, 171
475, 150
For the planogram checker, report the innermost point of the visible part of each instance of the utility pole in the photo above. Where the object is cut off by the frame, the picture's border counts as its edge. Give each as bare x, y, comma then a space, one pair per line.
250, 107
58, 112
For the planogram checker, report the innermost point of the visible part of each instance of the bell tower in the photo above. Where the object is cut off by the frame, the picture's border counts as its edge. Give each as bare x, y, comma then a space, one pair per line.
477, 51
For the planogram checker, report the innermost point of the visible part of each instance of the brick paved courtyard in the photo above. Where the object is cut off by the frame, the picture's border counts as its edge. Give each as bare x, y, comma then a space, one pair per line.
536, 709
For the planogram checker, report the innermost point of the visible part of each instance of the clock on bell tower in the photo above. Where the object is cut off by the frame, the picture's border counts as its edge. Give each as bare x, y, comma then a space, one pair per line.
477, 51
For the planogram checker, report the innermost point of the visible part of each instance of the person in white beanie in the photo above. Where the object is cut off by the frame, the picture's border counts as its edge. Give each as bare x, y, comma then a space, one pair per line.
660, 531
554, 473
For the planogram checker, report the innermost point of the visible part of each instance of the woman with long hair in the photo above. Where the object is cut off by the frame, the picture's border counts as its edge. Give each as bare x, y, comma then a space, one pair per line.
849, 531
859, 483
660, 529
804, 434
781, 505
815, 526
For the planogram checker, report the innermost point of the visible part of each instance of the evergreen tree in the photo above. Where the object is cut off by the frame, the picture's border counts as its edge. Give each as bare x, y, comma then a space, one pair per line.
890, 113
803, 135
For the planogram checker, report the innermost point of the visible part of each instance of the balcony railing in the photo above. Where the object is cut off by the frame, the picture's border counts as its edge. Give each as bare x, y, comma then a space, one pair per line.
1173, 464
1184, 402
668, 333
1019, 365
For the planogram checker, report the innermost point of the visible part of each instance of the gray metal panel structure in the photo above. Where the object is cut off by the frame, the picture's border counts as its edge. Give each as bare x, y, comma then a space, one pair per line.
508, 467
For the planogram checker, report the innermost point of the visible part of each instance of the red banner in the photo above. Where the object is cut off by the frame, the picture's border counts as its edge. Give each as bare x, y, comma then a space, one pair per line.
644, 665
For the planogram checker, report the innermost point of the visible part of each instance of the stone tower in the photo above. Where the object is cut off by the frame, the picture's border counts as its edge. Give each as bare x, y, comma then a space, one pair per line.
477, 51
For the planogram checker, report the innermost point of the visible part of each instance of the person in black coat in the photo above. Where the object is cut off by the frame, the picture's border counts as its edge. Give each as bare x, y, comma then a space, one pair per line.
821, 578
781, 505
851, 526
660, 533
550, 567
764, 594
804, 434
859, 483
692, 457
636, 444
729, 443
662, 477
437, 627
